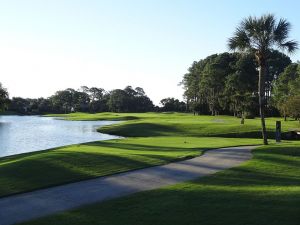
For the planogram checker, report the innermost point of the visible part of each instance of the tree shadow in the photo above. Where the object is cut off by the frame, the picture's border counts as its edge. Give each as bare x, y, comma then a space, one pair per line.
139, 147
60, 167
141, 130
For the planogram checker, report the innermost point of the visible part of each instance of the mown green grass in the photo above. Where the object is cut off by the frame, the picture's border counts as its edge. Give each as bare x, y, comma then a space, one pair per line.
164, 137
264, 190
268, 184
182, 124
78, 162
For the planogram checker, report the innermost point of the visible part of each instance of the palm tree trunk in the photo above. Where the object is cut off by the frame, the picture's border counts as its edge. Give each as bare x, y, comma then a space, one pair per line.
261, 92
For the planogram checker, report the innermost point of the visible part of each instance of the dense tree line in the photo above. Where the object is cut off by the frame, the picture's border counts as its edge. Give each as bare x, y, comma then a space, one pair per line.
85, 99
251, 81
91, 100
226, 83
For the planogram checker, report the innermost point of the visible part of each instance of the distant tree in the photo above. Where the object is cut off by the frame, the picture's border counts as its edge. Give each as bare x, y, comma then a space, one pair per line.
259, 36
119, 101
129, 100
295, 84
143, 104
81, 101
191, 86
3, 98
97, 98
287, 85
276, 64
44, 106
96, 94
130, 91
139, 101
172, 105
239, 93
19, 105
213, 78
293, 107
101, 105
70, 100
63, 100
139, 91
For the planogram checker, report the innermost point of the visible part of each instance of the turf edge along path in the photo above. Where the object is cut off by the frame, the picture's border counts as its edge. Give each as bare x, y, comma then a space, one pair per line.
48, 201
264, 190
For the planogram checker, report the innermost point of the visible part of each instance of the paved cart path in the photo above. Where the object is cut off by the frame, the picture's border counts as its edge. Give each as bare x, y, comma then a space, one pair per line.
31, 205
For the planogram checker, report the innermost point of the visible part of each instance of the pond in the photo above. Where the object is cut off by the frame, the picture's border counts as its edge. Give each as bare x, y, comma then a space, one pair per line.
20, 134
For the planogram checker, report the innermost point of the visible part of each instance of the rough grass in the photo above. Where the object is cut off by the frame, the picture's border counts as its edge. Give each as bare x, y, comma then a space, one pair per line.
264, 190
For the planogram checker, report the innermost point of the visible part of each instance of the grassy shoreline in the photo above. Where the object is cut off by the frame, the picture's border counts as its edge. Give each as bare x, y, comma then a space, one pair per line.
31, 171
175, 124
152, 139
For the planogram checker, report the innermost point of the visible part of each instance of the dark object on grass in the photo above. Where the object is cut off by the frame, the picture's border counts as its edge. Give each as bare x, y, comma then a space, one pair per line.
242, 120
278, 131
292, 135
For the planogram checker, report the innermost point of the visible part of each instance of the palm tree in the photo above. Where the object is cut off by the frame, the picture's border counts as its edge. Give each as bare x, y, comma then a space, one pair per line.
259, 36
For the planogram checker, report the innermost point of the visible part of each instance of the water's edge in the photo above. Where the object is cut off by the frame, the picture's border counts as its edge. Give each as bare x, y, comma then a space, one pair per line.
21, 135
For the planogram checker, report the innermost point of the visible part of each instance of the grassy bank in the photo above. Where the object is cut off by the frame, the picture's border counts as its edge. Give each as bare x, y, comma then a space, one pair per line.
268, 183
78, 162
182, 124
265, 190
155, 139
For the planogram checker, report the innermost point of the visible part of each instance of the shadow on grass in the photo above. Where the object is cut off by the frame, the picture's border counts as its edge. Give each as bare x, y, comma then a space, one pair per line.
119, 118
273, 166
263, 191
140, 130
155, 130
57, 168
139, 147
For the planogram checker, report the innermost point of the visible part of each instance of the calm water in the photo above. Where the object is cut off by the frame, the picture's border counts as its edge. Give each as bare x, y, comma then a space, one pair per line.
19, 134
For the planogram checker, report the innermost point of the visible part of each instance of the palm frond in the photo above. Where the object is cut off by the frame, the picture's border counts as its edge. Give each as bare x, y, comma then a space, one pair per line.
267, 23
290, 46
281, 31
240, 41
263, 34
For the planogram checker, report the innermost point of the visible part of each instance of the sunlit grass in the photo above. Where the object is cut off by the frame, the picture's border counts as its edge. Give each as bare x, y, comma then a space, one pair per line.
163, 137
264, 190
183, 124
78, 162
266, 186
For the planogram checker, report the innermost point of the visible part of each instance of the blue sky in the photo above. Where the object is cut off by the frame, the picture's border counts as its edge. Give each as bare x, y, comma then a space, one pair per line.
47, 45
